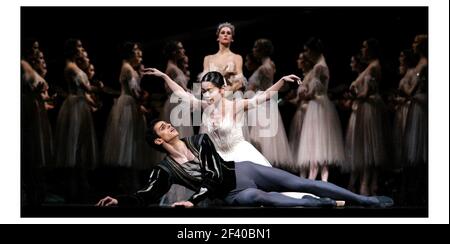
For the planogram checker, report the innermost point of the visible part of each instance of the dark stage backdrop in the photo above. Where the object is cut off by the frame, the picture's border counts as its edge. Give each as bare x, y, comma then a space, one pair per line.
104, 29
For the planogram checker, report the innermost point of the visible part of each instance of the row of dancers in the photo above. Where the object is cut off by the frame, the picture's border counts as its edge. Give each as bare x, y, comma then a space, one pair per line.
315, 141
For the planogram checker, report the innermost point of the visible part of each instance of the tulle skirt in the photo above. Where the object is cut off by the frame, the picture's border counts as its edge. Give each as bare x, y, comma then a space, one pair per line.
36, 133
76, 144
366, 135
295, 134
401, 114
416, 132
321, 137
124, 141
269, 136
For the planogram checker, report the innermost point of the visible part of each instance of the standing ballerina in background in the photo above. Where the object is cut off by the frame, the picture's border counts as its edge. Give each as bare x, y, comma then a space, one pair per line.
366, 138
297, 121
174, 53
357, 65
177, 109
415, 147
402, 102
321, 142
229, 65
76, 143
124, 144
225, 61
416, 134
267, 131
36, 134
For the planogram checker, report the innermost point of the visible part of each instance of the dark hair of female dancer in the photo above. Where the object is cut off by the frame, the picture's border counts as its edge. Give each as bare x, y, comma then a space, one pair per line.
263, 47
421, 42
37, 61
72, 48
216, 78
315, 45
373, 48
409, 59
358, 64
171, 50
126, 51
28, 46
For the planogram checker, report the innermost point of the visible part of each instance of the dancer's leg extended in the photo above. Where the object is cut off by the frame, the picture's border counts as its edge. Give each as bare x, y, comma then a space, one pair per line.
256, 197
277, 180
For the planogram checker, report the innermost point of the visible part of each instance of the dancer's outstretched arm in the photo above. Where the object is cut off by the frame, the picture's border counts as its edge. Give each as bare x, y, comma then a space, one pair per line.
176, 89
247, 104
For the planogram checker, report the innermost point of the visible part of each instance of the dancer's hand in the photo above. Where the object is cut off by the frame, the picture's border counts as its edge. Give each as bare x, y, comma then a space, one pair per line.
153, 71
185, 204
292, 78
107, 201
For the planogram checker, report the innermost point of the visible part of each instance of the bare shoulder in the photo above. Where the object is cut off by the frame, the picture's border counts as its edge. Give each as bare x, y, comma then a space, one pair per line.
126, 67
237, 57
71, 69
208, 57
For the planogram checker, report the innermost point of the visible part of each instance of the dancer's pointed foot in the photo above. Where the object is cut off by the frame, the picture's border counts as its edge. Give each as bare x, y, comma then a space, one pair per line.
383, 201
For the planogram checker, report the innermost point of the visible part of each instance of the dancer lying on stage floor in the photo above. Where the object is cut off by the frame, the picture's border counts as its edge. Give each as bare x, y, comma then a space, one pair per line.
195, 163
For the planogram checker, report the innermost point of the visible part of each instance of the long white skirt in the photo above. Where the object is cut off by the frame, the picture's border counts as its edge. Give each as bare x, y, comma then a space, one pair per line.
321, 137
273, 145
366, 135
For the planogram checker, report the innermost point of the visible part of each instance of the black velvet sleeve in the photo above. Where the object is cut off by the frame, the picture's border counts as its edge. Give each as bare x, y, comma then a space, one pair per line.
159, 184
211, 169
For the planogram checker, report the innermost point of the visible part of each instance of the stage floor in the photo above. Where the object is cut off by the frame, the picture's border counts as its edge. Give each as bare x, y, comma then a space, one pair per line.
83, 210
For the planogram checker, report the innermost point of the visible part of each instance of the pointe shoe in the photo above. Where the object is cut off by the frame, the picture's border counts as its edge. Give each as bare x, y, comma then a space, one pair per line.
340, 203
327, 202
384, 202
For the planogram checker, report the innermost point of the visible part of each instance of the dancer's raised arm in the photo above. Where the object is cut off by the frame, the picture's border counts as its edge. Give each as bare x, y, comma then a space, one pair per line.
176, 89
247, 104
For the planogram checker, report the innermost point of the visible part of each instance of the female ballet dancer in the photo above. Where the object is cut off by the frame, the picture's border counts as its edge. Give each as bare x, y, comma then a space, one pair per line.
195, 163
76, 143
36, 134
416, 132
297, 121
225, 61
124, 146
174, 52
415, 147
267, 131
402, 101
321, 142
366, 138
229, 65
222, 116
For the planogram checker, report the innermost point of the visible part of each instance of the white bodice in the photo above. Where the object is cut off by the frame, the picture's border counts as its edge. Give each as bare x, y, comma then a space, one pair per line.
225, 133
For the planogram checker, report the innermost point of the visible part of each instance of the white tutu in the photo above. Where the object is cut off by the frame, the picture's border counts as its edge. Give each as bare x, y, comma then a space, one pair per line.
124, 141
321, 137
366, 137
416, 131
274, 147
400, 117
295, 134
